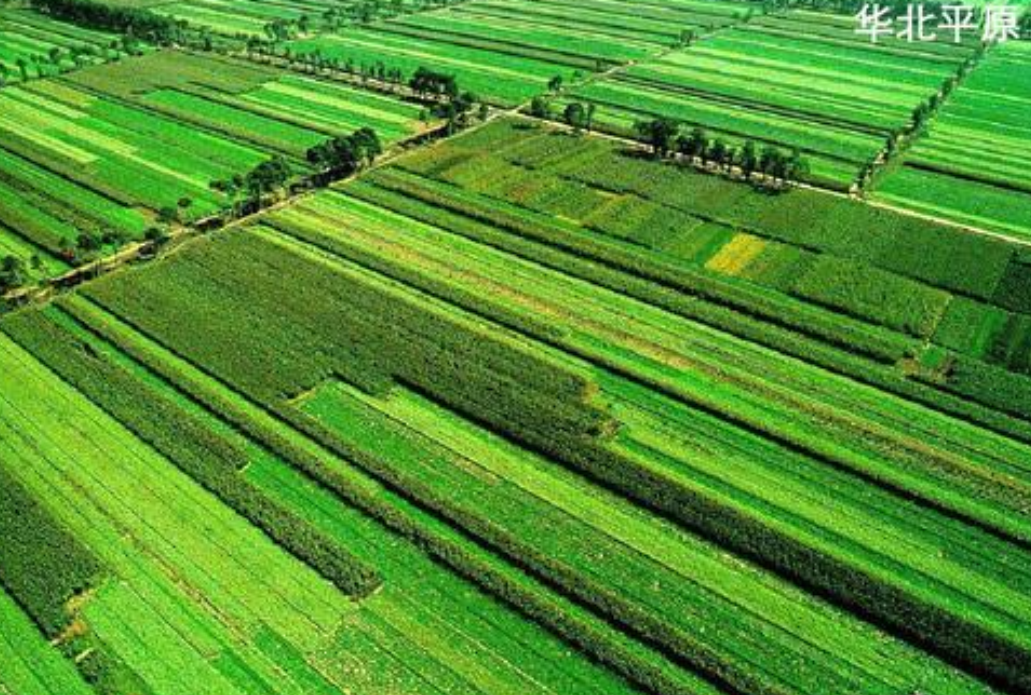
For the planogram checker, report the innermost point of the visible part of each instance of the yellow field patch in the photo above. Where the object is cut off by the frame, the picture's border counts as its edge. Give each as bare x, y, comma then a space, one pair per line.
737, 254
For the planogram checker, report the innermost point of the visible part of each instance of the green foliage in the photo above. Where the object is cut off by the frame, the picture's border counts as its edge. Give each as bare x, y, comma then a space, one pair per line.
874, 295
1014, 291
13, 273
346, 155
209, 457
994, 386
41, 564
969, 326
626, 270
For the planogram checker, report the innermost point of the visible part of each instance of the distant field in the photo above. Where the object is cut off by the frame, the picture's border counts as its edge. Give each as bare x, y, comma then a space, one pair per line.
47, 47
105, 148
800, 80
250, 17
502, 78
974, 164
508, 50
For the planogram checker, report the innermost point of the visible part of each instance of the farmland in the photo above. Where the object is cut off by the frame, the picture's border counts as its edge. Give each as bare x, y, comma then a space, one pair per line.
107, 150
249, 18
33, 45
546, 426
802, 81
507, 51
972, 165
413, 348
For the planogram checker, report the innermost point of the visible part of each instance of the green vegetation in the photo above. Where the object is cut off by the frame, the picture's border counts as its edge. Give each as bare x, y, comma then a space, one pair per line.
972, 165
800, 80
510, 347
97, 158
41, 564
34, 45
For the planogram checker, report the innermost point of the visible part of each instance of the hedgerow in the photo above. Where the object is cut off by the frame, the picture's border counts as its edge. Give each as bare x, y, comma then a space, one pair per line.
207, 456
42, 565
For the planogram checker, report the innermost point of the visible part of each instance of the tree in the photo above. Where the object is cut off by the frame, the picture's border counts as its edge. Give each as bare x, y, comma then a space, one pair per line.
659, 134
591, 108
717, 153
555, 84
167, 214
768, 160
693, 145
749, 160
182, 206
269, 176
428, 83
156, 235
797, 167
575, 116
540, 108
346, 155
12, 273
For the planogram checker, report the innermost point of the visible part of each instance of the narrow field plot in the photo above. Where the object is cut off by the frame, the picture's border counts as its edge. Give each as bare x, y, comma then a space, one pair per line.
243, 18
972, 166
106, 149
592, 35
122, 156
517, 504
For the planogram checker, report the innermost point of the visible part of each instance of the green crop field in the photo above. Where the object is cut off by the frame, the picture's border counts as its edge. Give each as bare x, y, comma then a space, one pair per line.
105, 149
973, 164
250, 18
801, 80
511, 347
507, 50
33, 45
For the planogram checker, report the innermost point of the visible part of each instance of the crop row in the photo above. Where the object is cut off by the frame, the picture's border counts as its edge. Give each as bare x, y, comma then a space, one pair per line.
369, 445
454, 550
610, 473
208, 457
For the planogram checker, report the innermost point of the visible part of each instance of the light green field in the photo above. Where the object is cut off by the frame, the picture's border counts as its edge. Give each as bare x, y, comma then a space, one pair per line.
972, 165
